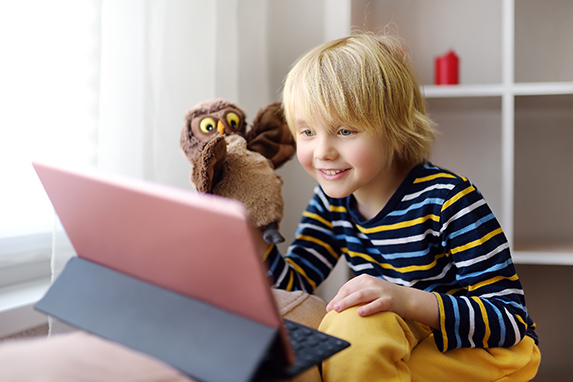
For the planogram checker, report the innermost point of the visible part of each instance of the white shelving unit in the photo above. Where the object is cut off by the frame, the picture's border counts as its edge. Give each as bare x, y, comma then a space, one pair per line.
508, 126
516, 80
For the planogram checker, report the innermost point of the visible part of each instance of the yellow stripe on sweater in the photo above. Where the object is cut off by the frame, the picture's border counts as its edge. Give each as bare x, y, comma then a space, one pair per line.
493, 280
441, 309
405, 224
485, 320
302, 273
435, 176
338, 209
409, 268
318, 218
267, 252
457, 197
478, 242
290, 282
313, 239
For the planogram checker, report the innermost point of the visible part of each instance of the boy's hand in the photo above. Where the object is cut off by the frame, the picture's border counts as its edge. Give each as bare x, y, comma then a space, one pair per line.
375, 294
378, 295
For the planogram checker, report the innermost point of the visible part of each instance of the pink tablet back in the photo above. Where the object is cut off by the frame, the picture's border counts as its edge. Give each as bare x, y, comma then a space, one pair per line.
195, 244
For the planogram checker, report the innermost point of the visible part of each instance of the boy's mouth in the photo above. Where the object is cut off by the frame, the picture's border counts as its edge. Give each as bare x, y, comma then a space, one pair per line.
330, 172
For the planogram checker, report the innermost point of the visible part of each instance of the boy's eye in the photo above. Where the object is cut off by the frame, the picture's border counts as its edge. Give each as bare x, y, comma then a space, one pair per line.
345, 132
307, 133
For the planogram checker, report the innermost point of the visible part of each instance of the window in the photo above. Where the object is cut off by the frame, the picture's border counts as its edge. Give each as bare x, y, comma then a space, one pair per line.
49, 80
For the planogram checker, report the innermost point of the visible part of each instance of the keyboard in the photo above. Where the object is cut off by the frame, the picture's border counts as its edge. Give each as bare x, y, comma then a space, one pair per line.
310, 347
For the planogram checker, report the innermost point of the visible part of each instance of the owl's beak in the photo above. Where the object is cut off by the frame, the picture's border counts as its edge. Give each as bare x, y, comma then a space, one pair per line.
221, 128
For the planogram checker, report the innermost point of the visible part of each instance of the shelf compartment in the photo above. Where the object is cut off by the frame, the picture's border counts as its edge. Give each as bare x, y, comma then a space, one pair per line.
430, 31
547, 287
469, 142
543, 34
543, 202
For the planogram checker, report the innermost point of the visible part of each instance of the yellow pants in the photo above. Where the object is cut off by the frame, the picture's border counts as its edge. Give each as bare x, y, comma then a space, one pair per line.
385, 347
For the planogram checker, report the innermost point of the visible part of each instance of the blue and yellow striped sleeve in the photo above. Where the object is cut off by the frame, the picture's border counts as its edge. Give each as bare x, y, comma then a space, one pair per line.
487, 309
312, 255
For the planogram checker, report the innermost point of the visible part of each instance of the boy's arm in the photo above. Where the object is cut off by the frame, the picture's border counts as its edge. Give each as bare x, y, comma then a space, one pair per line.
312, 255
487, 309
422, 307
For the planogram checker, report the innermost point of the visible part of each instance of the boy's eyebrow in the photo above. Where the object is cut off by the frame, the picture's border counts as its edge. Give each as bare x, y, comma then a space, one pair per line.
300, 123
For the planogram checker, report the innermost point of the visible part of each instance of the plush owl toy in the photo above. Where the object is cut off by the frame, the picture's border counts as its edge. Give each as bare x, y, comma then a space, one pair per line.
229, 161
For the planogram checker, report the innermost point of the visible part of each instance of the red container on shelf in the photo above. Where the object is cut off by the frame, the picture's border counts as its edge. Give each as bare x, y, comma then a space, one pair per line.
447, 69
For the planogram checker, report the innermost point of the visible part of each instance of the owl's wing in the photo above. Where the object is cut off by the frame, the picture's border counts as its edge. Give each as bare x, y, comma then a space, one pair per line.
208, 163
270, 136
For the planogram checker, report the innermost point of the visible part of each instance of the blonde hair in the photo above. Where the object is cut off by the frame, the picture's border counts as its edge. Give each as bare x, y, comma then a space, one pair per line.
364, 81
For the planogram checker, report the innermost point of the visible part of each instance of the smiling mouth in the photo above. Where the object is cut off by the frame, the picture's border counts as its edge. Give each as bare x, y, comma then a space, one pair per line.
332, 172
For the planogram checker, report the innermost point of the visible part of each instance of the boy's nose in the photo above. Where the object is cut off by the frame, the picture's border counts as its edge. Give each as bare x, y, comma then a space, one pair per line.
324, 150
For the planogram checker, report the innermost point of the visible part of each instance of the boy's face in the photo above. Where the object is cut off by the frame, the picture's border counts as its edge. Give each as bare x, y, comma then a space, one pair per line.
345, 161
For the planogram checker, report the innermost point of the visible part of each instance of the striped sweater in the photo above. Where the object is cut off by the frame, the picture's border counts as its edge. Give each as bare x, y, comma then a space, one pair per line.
437, 234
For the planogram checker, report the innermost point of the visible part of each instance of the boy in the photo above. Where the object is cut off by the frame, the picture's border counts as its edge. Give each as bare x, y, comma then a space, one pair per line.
435, 296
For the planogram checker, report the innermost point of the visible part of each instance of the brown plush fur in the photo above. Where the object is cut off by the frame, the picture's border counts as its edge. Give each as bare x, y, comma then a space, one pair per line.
247, 176
206, 169
270, 136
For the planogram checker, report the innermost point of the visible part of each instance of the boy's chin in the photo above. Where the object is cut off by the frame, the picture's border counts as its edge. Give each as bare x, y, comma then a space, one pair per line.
332, 192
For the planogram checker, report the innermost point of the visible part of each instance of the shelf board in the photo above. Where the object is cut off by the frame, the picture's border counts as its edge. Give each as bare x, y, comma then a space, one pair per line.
497, 90
451, 91
542, 258
543, 88
552, 254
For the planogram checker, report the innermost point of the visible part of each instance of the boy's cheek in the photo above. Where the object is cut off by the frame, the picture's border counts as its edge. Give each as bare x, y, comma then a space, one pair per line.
305, 159
304, 156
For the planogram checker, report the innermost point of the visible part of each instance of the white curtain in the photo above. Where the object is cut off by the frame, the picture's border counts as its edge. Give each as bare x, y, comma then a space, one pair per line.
158, 59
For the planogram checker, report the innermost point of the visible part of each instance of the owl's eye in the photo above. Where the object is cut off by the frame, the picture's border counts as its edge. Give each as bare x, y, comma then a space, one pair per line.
207, 125
233, 120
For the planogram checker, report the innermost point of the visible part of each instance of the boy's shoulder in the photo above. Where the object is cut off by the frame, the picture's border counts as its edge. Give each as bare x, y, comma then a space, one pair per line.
431, 186
428, 177
428, 172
